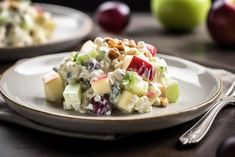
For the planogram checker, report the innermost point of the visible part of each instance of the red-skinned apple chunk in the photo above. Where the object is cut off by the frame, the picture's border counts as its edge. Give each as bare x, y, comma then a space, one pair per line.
100, 84
142, 67
151, 49
221, 22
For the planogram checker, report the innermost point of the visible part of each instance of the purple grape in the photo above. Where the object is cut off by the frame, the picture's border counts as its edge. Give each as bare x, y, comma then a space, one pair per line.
99, 105
93, 65
113, 16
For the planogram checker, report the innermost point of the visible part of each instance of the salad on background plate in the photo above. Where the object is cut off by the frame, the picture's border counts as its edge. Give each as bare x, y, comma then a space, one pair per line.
110, 74
24, 24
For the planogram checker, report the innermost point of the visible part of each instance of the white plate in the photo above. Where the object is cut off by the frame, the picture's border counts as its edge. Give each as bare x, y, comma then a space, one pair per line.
21, 87
71, 26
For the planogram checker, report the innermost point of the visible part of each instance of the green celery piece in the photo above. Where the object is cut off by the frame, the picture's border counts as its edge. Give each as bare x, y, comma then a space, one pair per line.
127, 79
134, 83
140, 88
74, 56
101, 53
72, 96
85, 57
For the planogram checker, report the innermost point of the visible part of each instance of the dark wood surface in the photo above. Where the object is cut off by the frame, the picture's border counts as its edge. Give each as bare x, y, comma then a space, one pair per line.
22, 142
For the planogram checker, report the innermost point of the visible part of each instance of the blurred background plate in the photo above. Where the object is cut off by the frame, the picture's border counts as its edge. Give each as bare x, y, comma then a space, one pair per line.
72, 26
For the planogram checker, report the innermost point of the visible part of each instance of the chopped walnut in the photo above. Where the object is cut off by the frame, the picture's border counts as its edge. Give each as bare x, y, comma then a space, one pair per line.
106, 39
132, 51
14, 5
130, 43
164, 101
115, 43
110, 42
120, 46
113, 53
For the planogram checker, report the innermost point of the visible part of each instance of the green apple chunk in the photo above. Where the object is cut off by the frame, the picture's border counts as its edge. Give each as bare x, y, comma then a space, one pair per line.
171, 90
72, 96
125, 101
87, 53
53, 87
135, 84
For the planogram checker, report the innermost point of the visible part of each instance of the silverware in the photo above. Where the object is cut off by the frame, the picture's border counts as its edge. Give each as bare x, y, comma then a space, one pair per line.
199, 130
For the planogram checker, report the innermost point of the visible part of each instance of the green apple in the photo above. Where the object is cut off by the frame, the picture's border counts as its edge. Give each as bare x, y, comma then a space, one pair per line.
180, 15
171, 90
125, 101
72, 97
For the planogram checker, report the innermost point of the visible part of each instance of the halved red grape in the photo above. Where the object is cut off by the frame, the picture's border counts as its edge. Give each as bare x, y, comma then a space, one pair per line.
151, 49
99, 105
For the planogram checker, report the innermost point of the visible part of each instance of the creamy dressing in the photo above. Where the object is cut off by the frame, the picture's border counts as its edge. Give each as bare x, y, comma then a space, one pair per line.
72, 72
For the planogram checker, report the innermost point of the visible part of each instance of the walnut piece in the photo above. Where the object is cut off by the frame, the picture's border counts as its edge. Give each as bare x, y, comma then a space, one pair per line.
113, 53
130, 43
115, 43
164, 101
132, 51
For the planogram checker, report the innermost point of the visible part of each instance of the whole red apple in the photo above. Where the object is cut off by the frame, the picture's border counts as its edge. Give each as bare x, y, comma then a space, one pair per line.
221, 22
113, 16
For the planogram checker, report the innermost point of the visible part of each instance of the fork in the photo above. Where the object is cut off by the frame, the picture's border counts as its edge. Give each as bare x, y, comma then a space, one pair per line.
196, 133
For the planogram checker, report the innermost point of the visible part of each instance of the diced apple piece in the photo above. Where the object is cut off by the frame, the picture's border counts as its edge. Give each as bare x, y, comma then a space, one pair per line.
100, 85
171, 90
134, 83
140, 88
87, 46
153, 92
72, 96
127, 61
142, 67
126, 101
160, 69
53, 87
87, 53
151, 49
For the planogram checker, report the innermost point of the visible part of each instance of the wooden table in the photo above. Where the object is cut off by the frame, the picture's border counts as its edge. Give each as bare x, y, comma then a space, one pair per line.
197, 46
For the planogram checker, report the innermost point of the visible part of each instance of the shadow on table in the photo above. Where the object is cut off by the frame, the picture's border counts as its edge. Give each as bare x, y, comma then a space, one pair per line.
162, 141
